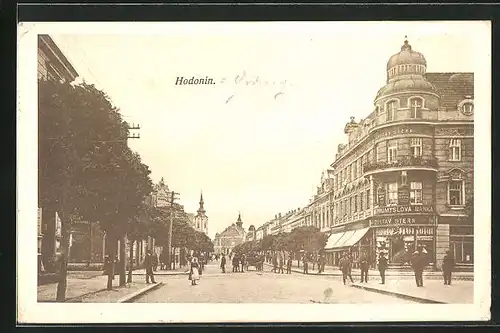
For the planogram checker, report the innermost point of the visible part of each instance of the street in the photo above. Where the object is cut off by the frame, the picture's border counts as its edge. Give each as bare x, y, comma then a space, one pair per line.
259, 287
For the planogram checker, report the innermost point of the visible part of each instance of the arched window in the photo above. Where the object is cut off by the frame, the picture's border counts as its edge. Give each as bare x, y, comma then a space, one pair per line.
416, 104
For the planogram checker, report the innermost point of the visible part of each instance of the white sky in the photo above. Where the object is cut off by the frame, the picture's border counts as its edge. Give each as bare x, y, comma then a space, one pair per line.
253, 154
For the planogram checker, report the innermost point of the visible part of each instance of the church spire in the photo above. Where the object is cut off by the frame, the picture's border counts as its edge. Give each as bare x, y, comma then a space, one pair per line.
239, 223
201, 210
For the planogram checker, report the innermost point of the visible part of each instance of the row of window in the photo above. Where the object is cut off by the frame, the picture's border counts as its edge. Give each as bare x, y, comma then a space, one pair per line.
401, 69
355, 169
416, 104
354, 204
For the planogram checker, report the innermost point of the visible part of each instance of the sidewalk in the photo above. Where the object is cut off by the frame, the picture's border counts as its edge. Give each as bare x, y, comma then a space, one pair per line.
334, 271
433, 291
89, 286
177, 271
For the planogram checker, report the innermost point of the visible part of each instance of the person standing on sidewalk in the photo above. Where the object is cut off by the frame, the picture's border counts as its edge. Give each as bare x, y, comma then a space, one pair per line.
148, 262
306, 264
418, 264
281, 263
289, 265
448, 264
345, 266
194, 273
363, 265
382, 266
223, 263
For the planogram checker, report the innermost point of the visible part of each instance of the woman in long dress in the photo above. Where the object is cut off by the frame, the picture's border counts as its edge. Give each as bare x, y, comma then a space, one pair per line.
194, 274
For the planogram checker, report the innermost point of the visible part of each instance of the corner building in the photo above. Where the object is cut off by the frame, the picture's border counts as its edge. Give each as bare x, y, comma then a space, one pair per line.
406, 173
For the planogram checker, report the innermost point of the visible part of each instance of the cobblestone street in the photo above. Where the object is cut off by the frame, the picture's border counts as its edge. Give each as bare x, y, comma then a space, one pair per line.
259, 287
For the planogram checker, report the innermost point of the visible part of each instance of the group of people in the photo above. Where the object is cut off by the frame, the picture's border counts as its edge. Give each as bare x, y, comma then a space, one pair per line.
278, 261
419, 260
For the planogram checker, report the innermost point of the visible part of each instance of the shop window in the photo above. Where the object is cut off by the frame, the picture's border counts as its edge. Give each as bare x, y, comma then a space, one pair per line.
416, 193
392, 150
456, 193
462, 250
391, 110
392, 193
455, 150
416, 105
416, 147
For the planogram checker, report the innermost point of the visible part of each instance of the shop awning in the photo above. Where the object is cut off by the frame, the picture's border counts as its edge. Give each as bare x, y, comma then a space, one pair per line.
345, 238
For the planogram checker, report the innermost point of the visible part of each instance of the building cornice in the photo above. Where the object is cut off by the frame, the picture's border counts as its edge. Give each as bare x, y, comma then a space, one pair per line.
397, 123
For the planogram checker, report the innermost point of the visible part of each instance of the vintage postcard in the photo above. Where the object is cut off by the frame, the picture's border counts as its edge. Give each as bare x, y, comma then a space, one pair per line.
254, 172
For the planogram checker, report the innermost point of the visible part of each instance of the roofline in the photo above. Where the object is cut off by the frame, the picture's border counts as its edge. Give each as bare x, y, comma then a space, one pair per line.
52, 46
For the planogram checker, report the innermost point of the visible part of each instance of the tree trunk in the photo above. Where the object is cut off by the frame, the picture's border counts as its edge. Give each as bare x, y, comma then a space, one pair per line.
122, 261
63, 260
131, 261
173, 257
112, 255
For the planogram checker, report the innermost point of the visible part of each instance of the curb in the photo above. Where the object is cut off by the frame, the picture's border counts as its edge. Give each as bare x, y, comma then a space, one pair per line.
77, 299
179, 273
134, 295
398, 295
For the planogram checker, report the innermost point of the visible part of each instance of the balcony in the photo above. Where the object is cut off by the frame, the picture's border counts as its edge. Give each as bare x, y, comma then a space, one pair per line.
402, 163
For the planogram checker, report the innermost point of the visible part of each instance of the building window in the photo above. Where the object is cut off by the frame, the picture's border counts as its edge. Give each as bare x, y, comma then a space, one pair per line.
456, 193
455, 150
362, 201
416, 105
355, 170
392, 150
392, 193
391, 110
367, 199
416, 193
416, 147
355, 203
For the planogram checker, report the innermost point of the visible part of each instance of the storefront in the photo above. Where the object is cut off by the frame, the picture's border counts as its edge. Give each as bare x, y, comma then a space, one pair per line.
352, 241
399, 236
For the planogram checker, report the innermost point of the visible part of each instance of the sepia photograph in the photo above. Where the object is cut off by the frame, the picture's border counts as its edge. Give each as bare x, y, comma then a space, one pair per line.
254, 171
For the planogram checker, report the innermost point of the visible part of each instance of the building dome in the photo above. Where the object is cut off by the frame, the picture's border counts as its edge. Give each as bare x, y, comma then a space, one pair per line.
406, 84
406, 57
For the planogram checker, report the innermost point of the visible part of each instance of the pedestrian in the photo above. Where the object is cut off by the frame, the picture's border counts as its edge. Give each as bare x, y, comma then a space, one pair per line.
448, 264
194, 273
235, 263
162, 260
148, 263
223, 264
306, 265
418, 263
280, 263
275, 263
363, 265
289, 265
117, 265
321, 264
243, 262
107, 265
382, 266
346, 268
155, 261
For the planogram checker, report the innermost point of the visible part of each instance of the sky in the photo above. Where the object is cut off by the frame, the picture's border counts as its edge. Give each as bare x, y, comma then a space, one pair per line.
256, 149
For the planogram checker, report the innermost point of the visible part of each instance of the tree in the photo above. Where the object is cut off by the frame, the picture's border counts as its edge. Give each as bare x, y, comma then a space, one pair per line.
85, 165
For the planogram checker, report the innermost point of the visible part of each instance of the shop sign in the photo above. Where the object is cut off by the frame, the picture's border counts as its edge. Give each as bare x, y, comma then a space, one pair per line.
404, 209
404, 231
375, 222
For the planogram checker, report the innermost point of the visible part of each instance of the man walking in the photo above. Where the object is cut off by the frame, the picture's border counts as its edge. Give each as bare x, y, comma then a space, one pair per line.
148, 262
223, 264
363, 265
306, 271
281, 259
382, 266
448, 264
345, 267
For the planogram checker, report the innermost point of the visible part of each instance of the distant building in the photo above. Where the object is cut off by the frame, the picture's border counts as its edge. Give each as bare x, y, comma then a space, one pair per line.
251, 234
230, 237
200, 221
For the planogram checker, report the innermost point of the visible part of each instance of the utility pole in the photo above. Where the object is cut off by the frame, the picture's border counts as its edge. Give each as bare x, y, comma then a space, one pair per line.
169, 244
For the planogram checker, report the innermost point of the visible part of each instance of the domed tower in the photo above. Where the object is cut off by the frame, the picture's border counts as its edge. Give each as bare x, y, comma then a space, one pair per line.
407, 93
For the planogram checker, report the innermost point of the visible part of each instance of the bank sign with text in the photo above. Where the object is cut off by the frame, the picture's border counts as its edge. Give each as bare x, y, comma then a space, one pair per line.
404, 209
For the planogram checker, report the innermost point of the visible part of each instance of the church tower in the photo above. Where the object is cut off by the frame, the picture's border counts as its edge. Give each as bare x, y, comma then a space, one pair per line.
239, 223
201, 219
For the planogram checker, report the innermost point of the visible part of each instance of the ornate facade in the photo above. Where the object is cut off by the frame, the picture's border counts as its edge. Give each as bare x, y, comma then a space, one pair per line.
404, 177
233, 235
